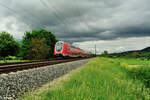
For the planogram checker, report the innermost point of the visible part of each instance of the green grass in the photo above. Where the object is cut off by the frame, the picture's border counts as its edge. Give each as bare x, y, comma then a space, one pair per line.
13, 61
100, 79
133, 61
141, 73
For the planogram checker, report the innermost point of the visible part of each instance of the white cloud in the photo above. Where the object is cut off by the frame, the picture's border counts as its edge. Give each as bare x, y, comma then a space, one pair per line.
10, 25
118, 45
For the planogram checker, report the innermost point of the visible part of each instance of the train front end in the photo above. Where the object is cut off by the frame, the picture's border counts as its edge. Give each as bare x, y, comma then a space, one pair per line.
59, 48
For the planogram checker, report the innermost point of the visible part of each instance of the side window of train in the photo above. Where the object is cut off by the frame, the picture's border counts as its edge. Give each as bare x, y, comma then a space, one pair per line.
70, 50
67, 49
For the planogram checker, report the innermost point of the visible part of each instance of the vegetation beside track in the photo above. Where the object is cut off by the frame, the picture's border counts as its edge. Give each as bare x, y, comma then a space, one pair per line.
35, 45
100, 79
137, 69
132, 61
13, 61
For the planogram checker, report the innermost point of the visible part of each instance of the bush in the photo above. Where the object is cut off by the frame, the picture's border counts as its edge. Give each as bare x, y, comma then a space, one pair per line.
38, 49
8, 45
49, 37
125, 65
1, 58
142, 74
11, 58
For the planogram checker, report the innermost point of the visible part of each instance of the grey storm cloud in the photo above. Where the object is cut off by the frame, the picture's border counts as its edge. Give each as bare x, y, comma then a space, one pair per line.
77, 20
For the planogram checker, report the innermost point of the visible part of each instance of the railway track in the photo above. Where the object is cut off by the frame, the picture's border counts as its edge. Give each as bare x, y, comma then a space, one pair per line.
7, 68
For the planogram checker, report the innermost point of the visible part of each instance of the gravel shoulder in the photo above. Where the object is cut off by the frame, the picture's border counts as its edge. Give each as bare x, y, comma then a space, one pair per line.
13, 85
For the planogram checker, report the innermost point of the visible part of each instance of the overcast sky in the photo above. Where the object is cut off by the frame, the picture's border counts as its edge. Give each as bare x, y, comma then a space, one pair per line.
113, 25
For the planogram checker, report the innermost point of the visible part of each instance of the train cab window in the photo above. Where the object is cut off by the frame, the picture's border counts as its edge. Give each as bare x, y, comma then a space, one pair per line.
59, 46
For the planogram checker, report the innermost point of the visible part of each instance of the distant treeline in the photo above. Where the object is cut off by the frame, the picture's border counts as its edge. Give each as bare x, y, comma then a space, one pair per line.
142, 54
35, 45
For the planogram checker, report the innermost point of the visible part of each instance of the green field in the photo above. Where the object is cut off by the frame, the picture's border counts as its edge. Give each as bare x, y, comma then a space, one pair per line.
132, 61
101, 79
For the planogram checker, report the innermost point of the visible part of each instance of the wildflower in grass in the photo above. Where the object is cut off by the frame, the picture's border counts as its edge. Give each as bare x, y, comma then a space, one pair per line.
125, 65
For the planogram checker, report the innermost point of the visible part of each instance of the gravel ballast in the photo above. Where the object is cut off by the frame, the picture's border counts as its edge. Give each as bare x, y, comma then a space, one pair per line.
13, 85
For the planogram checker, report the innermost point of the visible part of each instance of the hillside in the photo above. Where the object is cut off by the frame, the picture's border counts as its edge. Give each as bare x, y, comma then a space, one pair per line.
144, 54
142, 50
145, 49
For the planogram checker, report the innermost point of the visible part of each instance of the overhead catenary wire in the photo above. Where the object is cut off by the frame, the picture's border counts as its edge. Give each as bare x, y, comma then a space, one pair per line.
46, 5
55, 11
58, 13
79, 12
16, 13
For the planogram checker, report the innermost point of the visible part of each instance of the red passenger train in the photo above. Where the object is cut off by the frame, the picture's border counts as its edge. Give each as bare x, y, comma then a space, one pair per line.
67, 50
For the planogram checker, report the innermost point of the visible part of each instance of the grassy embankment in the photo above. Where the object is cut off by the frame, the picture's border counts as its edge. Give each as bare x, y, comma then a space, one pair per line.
140, 72
100, 79
13, 61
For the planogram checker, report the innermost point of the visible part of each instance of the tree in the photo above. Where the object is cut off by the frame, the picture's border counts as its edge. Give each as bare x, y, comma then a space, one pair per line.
134, 54
38, 49
50, 41
105, 53
8, 45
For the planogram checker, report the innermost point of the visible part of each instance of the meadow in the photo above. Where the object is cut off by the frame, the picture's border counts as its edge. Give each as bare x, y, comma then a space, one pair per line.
101, 79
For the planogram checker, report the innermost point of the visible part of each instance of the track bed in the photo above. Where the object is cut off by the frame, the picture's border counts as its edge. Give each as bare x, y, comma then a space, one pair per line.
14, 67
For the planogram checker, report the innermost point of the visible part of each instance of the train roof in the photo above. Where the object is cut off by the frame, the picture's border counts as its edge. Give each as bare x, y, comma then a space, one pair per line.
60, 42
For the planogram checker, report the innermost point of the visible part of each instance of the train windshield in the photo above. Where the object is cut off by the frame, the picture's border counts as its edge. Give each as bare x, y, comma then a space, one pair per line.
59, 46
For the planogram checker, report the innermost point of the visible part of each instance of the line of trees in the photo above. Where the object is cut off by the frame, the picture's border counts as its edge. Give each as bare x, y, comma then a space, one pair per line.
35, 45
144, 55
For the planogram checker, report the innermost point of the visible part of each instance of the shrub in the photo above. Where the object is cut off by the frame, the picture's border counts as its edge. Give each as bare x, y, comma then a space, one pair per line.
1, 58
8, 45
50, 41
125, 65
12, 58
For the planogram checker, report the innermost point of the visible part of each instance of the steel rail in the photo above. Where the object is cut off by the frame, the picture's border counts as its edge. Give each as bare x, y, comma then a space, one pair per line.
25, 66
